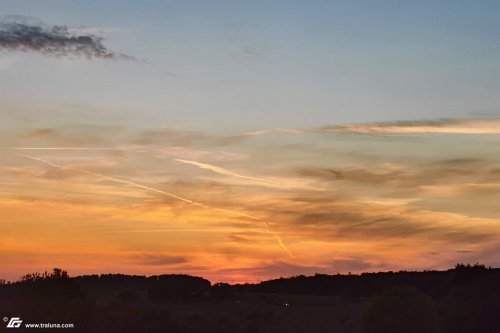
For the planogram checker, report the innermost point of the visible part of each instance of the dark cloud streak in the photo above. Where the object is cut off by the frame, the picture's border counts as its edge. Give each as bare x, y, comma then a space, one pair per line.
29, 35
160, 259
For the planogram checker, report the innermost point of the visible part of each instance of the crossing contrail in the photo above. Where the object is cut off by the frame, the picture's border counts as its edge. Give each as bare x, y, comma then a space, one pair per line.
266, 224
210, 167
152, 189
114, 179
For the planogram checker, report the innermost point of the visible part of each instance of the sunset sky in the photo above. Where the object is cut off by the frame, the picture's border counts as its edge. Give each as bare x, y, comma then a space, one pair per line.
241, 141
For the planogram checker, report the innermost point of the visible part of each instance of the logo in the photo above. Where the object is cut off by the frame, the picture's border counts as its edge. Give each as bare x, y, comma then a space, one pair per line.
15, 322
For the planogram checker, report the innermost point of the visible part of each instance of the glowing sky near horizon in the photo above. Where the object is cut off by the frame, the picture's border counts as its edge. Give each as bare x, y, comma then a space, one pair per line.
245, 141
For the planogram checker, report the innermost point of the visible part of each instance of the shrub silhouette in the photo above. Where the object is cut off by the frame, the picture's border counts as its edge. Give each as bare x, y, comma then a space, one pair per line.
401, 310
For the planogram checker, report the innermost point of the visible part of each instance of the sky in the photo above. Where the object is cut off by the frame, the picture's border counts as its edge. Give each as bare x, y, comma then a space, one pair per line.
242, 141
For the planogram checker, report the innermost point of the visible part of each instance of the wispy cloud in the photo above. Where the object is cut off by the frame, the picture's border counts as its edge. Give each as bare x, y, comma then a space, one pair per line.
25, 34
273, 131
441, 126
446, 126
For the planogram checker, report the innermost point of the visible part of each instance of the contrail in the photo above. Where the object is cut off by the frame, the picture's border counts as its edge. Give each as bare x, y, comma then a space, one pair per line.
116, 180
152, 189
278, 239
66, 148
222, 171
40, 160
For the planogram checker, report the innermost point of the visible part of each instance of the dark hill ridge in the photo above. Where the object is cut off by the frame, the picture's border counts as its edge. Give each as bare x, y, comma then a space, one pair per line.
463, 299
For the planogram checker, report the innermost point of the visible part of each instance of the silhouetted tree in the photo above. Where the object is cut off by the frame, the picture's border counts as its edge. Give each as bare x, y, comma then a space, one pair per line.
50, 297
476, 266
177, 287
221, 292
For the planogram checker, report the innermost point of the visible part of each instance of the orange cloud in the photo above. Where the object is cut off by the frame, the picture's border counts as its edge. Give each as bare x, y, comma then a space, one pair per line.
339, 203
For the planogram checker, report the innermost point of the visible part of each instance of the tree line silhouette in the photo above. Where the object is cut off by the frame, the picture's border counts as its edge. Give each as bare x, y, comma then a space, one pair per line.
463, 299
